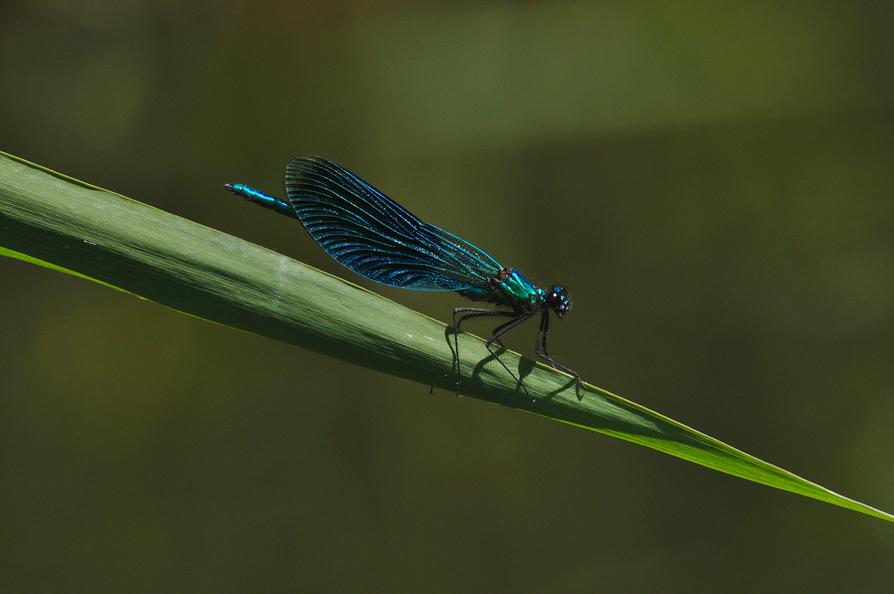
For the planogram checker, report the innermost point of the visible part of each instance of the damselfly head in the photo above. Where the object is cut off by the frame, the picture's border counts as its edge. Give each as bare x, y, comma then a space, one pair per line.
558, 300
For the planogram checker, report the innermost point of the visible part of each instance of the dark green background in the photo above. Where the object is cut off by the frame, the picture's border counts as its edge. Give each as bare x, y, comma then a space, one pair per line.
713, 183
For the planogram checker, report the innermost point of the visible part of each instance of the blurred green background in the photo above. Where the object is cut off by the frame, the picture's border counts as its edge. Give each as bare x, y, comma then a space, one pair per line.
713, 182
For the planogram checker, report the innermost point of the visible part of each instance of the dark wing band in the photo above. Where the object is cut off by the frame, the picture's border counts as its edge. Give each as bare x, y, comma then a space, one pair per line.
374, 236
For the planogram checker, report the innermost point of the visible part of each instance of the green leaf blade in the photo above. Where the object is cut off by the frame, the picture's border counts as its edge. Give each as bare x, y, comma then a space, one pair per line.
55, 221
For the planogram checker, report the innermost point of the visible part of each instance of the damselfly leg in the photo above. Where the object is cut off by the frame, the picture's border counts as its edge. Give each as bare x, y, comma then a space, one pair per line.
461, 314
540, 350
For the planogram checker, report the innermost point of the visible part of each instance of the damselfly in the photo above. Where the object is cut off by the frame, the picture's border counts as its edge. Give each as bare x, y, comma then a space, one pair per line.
372, 235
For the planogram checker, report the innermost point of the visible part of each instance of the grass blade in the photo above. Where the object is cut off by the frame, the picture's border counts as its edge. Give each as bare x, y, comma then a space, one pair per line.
73, 227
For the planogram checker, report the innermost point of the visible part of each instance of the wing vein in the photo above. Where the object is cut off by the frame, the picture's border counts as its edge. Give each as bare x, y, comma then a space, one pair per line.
374, 236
